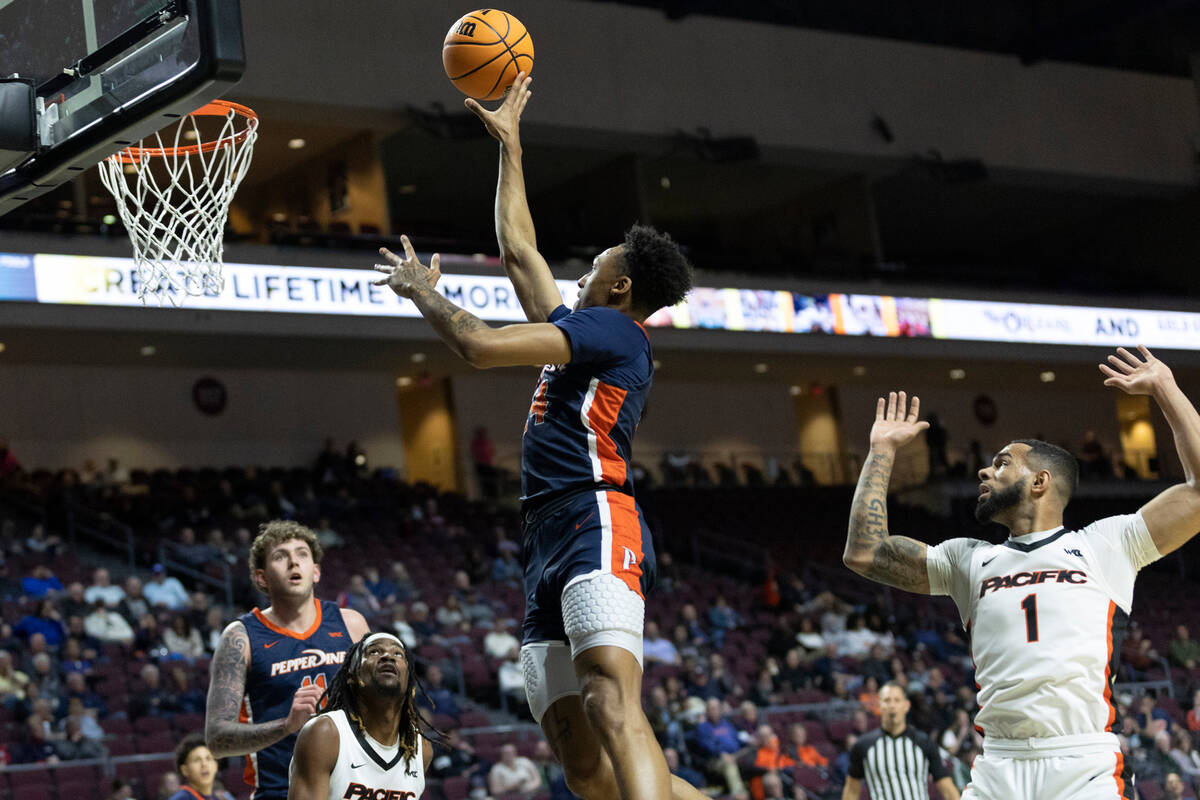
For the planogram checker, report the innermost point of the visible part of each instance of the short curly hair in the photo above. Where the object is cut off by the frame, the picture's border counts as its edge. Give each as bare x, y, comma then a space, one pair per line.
660, 272
276, 532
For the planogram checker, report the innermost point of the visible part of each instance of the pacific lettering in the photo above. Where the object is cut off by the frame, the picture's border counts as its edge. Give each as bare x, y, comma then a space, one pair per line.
1019, 579
357, 791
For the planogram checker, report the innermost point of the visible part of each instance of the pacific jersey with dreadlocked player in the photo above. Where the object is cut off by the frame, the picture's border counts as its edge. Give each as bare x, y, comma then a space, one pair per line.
366, 743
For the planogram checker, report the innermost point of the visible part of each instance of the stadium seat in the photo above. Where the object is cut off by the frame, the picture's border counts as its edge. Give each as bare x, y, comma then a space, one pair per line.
32, 791
810, 778
1149, 790
35, 777
456, 788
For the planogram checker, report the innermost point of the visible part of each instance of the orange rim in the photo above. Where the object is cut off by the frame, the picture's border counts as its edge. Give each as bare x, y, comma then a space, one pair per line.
217, 108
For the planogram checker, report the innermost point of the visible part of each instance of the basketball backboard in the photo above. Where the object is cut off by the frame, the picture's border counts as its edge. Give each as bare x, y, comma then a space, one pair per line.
82, 79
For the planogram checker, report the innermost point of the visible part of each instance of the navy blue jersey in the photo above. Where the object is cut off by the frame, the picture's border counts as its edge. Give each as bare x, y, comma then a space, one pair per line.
281, 661
580, 428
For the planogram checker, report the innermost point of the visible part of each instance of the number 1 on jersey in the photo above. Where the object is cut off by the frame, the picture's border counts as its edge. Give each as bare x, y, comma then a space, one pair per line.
1030, 606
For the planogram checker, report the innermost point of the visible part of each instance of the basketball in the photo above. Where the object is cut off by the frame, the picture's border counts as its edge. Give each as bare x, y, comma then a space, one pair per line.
484, 51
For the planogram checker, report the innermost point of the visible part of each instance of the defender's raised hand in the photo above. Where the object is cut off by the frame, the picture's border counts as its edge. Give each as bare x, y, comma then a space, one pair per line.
896, 422
1134, 375
407, 275
503, 123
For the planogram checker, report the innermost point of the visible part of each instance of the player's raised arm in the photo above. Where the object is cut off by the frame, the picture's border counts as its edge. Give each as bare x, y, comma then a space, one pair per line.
524, 265
870, 550
223, 733
313, 761
1173, 517
472, 339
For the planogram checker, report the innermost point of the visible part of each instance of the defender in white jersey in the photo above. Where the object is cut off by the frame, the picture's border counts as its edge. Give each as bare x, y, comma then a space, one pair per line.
1045, 610
366, 743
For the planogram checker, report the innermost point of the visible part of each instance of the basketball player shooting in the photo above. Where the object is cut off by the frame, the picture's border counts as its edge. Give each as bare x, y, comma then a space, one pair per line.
366, 742
271, 666
1045, 611
587, 553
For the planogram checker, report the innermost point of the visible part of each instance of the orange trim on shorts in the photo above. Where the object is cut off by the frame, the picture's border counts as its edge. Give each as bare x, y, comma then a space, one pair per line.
1117, 776
284, 631
602, 416
626, 535
1112, 709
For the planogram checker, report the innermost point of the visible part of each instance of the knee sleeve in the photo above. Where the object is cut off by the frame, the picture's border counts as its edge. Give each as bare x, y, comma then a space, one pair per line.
603, 610
549, 675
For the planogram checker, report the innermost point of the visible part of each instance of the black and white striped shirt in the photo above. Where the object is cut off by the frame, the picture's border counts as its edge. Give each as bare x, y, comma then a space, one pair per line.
896, 767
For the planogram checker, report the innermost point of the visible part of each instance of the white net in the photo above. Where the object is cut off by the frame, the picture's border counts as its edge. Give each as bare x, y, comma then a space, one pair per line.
174, 200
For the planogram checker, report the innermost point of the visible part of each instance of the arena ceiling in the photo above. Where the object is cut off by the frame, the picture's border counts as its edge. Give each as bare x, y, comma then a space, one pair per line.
1143, 35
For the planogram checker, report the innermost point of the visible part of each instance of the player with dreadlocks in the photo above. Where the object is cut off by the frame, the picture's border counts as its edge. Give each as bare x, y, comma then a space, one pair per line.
366, 743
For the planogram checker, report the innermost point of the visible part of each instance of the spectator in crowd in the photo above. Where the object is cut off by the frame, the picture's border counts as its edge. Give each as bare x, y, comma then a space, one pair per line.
793, 675
868, 695
35, 647
774, 789
1148, 712
406, 590
681, 770
477, 610
327, 536
148, 637
664, 720
1193, 714
42, 543
402, 628
75, 603
40, 582
45, 621
512, 681
655, 648
198, 605
185, 698
700, 685
10, 586
747, 720
1173, 787
1183, 650
164, 591
86, 717
717, 743
210, 633
553, 777
841, 765
762, 693
151, 698
438, 698
1185, 755
800, 750
690, 620
514, 774
877, 665
73, 659
719, 677
45, 674
108, 626
38, 746
418, 618
960, 734
103, 589
450, 613
1137, 653
75, 687
359, 598
9, 466
500, 640
134, 604
181, 639
120, 789
381, 588
73, 745
506, 569
12, 681
722, 618
768, 757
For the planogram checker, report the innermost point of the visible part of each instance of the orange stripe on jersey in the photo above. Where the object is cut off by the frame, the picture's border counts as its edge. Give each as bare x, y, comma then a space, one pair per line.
602, 416
1119, 777
293, 634
1112, 710
626, 540
249, 773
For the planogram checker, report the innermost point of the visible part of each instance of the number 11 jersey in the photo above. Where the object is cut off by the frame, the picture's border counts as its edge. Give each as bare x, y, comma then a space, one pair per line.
1045, 614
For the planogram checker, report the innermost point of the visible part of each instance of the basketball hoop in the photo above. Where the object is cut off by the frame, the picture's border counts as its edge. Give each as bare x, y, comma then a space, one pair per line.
174, 200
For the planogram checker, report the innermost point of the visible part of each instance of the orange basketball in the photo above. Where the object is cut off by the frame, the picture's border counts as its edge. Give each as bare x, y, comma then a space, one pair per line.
484, 51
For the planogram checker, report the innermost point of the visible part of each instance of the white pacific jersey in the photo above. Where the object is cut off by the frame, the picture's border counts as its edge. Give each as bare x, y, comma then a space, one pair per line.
366, 770
1045, 614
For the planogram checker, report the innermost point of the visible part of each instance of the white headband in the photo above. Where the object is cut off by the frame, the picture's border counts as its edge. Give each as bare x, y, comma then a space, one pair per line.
381, 635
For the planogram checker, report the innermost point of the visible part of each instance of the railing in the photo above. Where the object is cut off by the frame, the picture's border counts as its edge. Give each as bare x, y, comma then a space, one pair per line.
224, 584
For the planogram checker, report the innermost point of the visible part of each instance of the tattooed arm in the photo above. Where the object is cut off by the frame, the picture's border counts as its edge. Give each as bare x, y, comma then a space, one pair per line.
471, 339
870, 550
223, 732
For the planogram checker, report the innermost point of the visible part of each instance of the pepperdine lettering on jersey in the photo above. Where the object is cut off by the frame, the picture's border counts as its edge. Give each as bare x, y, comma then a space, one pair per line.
1032, 578
356, 791
312, 658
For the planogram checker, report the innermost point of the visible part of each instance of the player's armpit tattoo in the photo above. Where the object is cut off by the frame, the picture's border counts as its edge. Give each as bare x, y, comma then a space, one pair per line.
900, 561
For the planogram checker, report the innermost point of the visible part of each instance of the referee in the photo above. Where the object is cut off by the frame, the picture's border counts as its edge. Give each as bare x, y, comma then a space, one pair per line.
895, 760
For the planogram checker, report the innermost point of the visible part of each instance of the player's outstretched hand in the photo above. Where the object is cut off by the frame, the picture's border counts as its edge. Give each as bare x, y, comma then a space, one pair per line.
1134, 375
504, 123
304, 705
407, 275
896, 422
